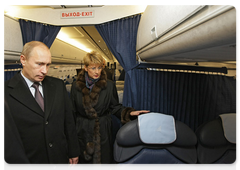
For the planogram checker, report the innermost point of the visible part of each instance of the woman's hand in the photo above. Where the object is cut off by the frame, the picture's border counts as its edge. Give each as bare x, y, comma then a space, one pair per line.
138, 112
73, 160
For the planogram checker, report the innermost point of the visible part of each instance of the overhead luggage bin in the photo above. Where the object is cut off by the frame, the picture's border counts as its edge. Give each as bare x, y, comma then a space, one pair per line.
12, 46
187, 33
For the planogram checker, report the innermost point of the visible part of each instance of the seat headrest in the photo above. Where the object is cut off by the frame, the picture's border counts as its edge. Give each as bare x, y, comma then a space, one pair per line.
156, 128
159, 132
179, 135
128, 134
216, 138
229, 126
211, 134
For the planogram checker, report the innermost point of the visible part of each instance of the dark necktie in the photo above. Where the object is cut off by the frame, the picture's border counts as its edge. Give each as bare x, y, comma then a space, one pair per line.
38, 95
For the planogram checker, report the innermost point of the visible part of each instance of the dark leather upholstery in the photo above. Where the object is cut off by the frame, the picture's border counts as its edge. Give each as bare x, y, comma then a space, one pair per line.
213, 147
129, 148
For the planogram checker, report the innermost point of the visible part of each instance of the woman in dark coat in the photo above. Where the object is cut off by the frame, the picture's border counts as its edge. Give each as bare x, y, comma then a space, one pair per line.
94, 99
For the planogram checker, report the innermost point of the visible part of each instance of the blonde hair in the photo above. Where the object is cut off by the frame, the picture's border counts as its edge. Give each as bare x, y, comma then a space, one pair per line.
28, 47
93, 58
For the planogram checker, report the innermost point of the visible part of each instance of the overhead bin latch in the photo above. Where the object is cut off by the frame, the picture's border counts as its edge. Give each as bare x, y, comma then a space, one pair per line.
154, 33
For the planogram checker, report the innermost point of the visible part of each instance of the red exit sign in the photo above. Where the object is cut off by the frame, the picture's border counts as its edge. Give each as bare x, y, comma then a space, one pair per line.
77, 14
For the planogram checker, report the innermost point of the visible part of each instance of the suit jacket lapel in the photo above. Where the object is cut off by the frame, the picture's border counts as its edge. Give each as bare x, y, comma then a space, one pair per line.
21, 92
49, 95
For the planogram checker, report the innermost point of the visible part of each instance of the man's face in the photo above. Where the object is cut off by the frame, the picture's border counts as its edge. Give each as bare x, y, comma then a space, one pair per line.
35, 68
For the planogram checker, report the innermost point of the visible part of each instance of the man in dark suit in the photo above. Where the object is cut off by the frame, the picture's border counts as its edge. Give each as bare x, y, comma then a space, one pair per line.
12, 155
47, 132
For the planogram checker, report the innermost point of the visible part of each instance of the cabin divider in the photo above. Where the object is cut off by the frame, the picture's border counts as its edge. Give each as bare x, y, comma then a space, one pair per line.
192, 97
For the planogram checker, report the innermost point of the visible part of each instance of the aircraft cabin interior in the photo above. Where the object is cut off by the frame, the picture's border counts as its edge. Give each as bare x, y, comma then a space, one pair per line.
179, 62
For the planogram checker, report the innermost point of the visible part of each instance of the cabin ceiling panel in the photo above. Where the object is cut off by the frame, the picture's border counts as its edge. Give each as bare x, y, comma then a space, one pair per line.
63, 52
86, 35
52, 14
98, 41
34, 3
89, 37
72, 32
71, 3
98, 3
74, 3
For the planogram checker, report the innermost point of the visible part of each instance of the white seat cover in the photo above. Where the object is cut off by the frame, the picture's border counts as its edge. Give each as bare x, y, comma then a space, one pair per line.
156, 128
229, 126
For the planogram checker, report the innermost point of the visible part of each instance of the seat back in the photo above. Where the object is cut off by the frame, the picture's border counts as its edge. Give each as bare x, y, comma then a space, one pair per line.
155, 138
217, 140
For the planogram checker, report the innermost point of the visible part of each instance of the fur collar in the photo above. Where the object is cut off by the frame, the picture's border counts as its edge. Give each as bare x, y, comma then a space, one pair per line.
91, 99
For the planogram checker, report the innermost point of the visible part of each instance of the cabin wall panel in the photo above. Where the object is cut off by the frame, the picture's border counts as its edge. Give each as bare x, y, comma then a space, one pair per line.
12, 35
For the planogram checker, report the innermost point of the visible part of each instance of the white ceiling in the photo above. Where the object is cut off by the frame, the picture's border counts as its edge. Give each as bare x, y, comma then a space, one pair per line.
84, 34
89, 37
70, 3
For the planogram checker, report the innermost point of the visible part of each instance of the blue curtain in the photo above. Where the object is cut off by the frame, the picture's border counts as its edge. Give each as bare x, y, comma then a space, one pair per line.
120, 37
38, 32
6, 75
191, 98
11, 70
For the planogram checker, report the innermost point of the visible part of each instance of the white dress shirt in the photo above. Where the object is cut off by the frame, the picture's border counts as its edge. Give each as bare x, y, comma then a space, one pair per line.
32, 89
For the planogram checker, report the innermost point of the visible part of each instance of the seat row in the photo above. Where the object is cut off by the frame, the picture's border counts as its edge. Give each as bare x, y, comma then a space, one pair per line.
160, 139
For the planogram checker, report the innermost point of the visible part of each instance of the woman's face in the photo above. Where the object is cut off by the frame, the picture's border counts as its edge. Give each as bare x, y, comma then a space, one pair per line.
94, 70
